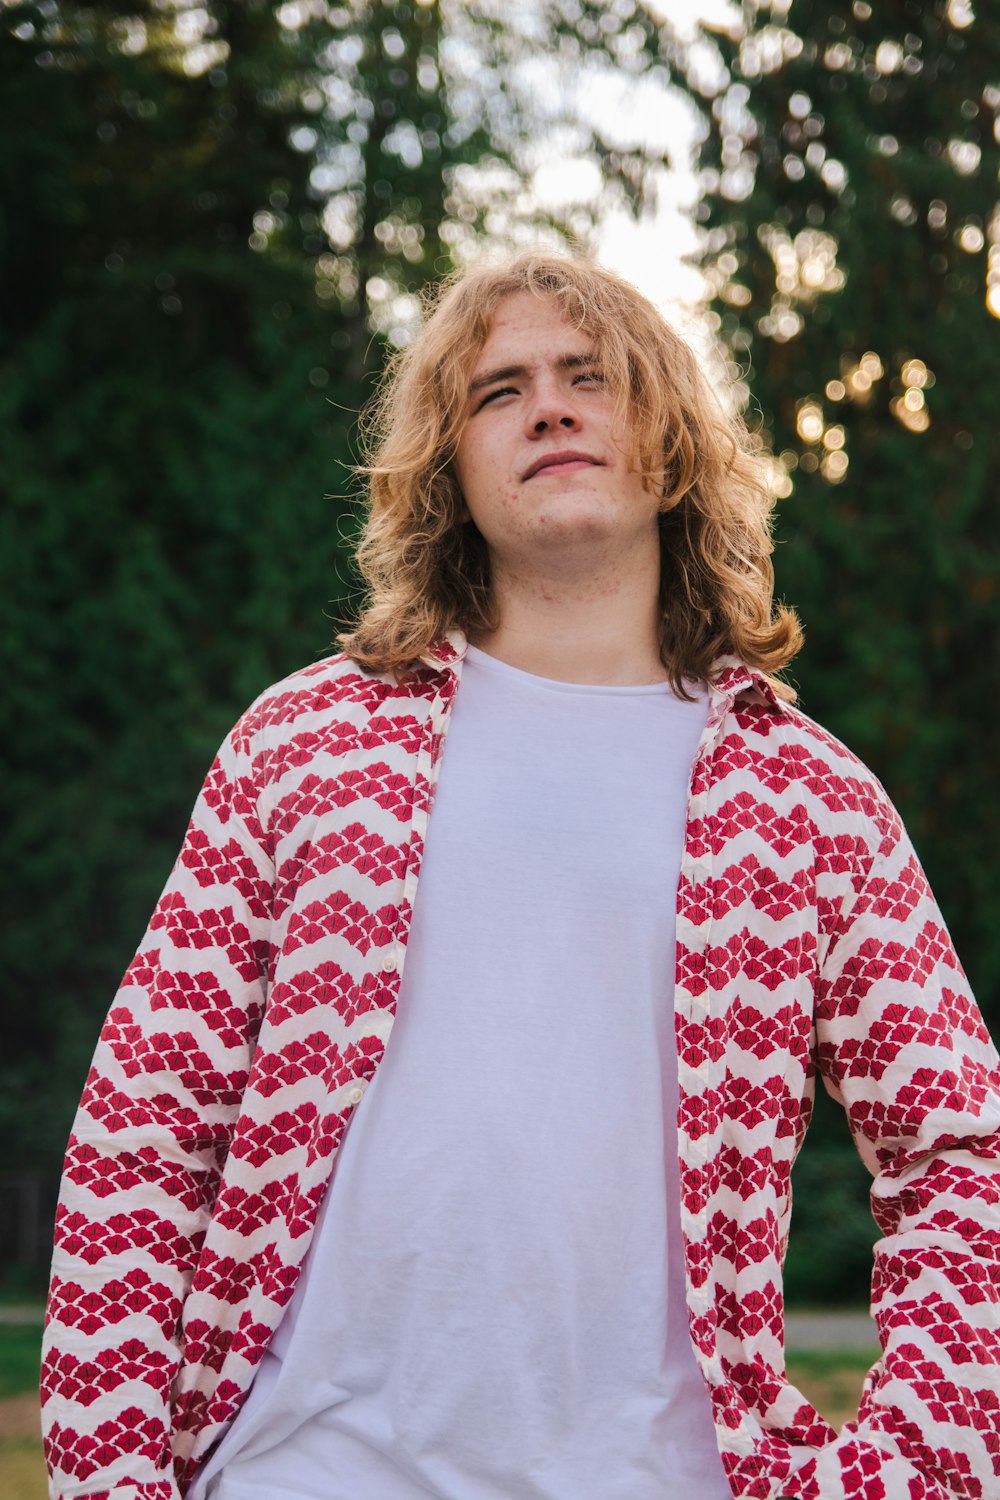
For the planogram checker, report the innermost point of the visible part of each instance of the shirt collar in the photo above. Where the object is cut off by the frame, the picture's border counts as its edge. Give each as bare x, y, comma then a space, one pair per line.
730, 678
447, 651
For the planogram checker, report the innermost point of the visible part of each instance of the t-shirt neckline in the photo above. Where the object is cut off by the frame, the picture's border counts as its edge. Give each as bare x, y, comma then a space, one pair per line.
494, 664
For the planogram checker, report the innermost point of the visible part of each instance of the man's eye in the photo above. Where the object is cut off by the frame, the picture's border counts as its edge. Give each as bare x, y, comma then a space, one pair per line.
503, 390
593, 377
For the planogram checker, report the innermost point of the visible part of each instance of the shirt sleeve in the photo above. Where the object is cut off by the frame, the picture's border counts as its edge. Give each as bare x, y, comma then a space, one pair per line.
903, 1047
147, 1147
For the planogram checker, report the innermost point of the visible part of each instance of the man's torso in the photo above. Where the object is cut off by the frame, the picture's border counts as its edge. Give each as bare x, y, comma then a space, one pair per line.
494, 1298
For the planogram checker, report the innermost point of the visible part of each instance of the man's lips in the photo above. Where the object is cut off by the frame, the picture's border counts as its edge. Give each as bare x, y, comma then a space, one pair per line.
563, 460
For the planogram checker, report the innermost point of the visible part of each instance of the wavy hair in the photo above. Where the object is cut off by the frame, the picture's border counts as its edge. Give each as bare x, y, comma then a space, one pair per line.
426, 572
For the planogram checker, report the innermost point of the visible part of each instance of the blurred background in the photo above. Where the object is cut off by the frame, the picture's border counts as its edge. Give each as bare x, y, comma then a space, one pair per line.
214, 222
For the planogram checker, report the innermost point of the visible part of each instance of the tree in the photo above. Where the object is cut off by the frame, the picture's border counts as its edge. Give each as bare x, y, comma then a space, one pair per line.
213, 219
852, 248
167, 450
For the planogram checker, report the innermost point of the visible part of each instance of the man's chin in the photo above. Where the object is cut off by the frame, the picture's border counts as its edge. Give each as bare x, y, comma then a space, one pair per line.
586, 521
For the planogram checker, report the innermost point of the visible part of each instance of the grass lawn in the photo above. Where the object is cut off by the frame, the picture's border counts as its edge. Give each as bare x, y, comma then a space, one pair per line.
22, 1475
830, 1378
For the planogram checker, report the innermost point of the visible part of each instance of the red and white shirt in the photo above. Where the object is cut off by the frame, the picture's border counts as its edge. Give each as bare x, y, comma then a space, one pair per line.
261, 1000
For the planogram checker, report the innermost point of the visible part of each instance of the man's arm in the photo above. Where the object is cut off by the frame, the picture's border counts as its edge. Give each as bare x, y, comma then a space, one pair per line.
903, 1048
147, 1148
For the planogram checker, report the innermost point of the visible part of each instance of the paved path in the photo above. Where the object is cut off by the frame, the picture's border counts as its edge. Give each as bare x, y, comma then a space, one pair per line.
830, 1330
21, 1314
20, 1418
803, 1330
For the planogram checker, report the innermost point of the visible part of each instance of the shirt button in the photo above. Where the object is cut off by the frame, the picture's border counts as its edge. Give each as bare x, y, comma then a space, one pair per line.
390, 962
357, 1093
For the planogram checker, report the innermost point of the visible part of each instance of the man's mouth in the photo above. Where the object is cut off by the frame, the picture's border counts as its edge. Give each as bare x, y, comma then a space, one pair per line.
561, 463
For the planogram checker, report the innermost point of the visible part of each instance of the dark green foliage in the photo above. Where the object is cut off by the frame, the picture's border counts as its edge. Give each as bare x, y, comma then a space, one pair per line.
139, 631
204, 239
876, 127
193, 263
830, 1251
20, 1345
168, 539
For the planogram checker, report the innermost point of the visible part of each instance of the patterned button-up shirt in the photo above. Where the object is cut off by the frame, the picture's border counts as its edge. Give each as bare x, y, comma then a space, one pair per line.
261, 1001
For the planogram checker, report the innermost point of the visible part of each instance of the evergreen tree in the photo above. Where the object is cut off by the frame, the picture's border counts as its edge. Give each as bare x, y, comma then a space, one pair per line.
212, 218
852, 246
167, 544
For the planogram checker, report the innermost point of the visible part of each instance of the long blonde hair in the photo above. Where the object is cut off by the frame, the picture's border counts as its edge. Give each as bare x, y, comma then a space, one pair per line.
426, 572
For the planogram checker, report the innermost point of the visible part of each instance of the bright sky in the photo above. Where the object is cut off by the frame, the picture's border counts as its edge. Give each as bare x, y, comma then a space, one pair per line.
630, 112
650, 253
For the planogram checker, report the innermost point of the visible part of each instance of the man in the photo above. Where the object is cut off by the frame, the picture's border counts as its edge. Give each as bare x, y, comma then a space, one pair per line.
640, 899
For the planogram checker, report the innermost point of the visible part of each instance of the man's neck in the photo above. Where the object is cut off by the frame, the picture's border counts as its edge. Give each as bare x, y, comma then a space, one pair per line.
600, 631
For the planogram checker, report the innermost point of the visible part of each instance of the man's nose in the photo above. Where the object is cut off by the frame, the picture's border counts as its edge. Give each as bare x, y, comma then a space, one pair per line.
552, 408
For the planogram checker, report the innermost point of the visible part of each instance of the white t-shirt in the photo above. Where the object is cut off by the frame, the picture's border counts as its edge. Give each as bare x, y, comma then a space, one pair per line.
493, 1303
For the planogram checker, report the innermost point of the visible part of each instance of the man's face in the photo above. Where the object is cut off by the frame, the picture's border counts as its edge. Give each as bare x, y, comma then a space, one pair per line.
537, 462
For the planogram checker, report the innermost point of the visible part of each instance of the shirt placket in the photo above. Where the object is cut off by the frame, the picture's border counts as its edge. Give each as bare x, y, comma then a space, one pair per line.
692, 997
428, 770
700, 1065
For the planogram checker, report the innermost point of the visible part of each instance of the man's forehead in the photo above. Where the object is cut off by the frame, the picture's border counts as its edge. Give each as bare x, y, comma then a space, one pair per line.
526, 314
531, 333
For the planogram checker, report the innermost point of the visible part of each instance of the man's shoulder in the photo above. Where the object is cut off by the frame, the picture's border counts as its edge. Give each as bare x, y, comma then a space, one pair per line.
333, 690
797, 731
331, 678
793, 756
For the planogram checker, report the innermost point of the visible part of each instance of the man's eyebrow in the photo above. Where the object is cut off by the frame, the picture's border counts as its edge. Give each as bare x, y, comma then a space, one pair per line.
518, 372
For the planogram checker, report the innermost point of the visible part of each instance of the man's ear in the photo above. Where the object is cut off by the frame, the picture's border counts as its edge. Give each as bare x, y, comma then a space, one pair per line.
462, 512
